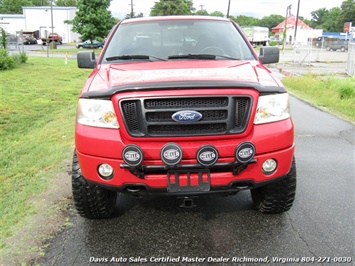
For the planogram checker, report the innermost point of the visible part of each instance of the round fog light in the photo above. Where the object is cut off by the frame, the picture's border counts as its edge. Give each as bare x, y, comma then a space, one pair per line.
269, 166
105, 171
171, 154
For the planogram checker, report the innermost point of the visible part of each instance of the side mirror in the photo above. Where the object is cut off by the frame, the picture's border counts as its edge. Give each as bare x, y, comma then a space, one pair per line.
86, 60
269, 54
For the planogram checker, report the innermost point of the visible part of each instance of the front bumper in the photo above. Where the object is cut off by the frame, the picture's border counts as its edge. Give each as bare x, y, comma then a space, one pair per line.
222, 176
95, 146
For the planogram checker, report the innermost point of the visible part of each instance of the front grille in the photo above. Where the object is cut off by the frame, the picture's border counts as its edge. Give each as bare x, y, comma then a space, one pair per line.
152, 117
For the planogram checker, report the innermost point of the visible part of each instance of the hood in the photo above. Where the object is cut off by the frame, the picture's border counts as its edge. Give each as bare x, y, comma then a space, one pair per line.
117, 75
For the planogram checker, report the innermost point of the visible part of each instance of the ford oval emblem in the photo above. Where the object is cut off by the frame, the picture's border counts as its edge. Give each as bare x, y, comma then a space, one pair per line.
186, 116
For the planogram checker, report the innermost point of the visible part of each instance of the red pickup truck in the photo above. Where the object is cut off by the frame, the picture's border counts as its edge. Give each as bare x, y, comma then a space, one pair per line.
182, 106
52, 37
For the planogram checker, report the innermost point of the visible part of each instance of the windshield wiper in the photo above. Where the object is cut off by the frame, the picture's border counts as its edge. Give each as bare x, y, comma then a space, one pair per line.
133, 57
200, 56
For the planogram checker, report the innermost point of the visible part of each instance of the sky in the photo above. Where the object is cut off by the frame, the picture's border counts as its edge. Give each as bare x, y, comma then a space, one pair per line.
252, 8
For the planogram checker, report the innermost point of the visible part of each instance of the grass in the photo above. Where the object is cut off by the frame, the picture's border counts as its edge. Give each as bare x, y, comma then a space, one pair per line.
37, 115
66, 50
335, 95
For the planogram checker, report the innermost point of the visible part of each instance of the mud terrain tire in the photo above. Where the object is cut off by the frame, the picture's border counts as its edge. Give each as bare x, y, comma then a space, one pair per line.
91, 201
276, 197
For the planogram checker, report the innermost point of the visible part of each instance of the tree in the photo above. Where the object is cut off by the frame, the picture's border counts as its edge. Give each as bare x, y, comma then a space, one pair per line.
93, 20
140, 15
319, 17
217, 14
332, 21
3, 40
66, 2
328, 20
169, 7
41, 2
202, 12
246, 21
271, 21
13, 6
347, 12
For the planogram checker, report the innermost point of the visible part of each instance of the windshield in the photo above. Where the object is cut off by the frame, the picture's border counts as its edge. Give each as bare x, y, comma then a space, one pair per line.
177, 39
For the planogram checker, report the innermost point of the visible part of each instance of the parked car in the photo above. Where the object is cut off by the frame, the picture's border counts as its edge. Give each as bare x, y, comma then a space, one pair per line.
337, 45
88, 44
275, 40
182, 106
52, 37
28, 39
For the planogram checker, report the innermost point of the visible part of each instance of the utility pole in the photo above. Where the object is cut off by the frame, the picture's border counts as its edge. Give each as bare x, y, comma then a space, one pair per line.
229, 5
132, 13
288, 12
53, 44
298, 11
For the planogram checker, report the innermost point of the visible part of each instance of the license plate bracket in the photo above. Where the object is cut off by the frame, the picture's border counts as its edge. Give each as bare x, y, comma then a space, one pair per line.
189, 181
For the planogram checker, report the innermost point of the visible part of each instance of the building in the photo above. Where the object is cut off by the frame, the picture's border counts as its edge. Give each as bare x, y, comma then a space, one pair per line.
304, 32
38, 19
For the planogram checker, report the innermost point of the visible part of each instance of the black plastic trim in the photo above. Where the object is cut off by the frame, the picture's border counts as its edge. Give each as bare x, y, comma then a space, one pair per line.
145, 190
200, 84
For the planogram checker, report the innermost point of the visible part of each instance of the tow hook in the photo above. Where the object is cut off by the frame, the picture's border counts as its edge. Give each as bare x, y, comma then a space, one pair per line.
187, 203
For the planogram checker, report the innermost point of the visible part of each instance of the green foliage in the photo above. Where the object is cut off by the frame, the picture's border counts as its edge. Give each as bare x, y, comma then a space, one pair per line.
134, 15
328, 20
20, 58
271, 21
347, 12
335, 95
66, 2
168, 7
8, 61
246, 21
201, 12
347, 92
93, 19
41, 2
13, 6
217, 14
3, 41
267, 21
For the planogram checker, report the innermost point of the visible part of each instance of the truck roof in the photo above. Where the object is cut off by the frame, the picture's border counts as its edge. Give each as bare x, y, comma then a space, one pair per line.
181, 17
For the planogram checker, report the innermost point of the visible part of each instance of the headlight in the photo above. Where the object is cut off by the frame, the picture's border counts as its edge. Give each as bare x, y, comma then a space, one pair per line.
272, 108
96, 113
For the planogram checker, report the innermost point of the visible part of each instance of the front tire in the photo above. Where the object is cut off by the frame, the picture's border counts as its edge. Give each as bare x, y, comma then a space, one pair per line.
276, 197
91, 201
